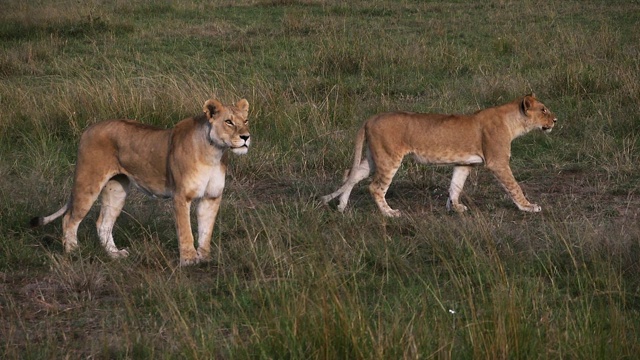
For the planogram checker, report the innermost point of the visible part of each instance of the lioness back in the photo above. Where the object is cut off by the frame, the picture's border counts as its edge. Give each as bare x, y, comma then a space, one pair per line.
431, 138
128, 147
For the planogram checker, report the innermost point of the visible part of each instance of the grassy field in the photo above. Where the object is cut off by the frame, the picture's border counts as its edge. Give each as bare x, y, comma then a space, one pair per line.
291, 278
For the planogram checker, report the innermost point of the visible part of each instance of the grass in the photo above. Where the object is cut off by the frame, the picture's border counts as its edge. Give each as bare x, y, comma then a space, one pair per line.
292, 278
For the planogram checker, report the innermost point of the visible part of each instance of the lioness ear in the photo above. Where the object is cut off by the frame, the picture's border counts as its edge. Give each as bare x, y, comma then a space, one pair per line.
526, 104
212, 107
243, 105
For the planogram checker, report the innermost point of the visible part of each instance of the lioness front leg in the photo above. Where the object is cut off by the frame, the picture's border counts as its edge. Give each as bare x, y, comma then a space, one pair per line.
505, 176
206, 211
188, 254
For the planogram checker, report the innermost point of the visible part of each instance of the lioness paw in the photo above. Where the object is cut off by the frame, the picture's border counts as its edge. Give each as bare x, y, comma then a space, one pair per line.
70, 248
118, 254
189, 261
203, 256
392, 213
69, 245
459, 208
531, 208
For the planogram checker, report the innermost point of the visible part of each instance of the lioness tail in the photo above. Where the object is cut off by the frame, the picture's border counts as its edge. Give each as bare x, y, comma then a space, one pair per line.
357, 157
44, 220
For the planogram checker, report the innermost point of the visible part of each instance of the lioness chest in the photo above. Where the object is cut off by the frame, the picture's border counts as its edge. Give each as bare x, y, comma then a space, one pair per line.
206, 182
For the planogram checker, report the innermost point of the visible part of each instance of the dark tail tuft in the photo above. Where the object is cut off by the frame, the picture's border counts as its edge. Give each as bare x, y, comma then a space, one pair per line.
36, 221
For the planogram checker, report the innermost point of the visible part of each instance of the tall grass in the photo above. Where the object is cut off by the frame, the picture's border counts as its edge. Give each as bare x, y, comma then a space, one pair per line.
291, 278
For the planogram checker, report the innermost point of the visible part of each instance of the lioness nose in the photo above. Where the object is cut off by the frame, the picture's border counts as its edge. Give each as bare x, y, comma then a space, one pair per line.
244, 137
555, 120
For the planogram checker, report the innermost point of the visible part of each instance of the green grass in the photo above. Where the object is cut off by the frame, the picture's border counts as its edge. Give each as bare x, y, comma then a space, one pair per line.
292, 279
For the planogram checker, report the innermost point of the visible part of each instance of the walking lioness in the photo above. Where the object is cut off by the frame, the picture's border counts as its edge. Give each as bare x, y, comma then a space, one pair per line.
461, 140
186, 163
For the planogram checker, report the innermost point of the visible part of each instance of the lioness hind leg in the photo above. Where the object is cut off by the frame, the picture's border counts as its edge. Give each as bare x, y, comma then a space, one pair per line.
357, 174
458, 179
113, 197
380, 184
83, 196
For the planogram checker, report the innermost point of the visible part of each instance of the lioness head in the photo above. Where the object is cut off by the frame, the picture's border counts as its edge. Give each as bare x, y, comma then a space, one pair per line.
538, 115
229, 125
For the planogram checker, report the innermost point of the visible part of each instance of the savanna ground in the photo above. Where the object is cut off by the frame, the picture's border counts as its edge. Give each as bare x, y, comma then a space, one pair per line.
294, 279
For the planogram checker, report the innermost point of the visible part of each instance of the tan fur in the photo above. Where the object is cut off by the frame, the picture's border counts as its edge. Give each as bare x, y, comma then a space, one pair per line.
186, 163
461, 140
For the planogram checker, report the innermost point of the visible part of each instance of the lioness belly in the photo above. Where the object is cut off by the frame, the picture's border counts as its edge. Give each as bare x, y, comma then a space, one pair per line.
451, 158
161, 192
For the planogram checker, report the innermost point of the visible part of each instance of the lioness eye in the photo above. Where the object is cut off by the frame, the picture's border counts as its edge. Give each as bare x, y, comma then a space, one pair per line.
229, 122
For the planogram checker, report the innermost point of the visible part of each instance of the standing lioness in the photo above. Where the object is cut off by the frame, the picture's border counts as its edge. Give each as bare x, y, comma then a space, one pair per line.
186, 163
462, 140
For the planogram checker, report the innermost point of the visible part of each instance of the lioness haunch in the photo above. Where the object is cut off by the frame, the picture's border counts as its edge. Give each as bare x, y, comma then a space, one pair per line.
187, 162
462, 140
